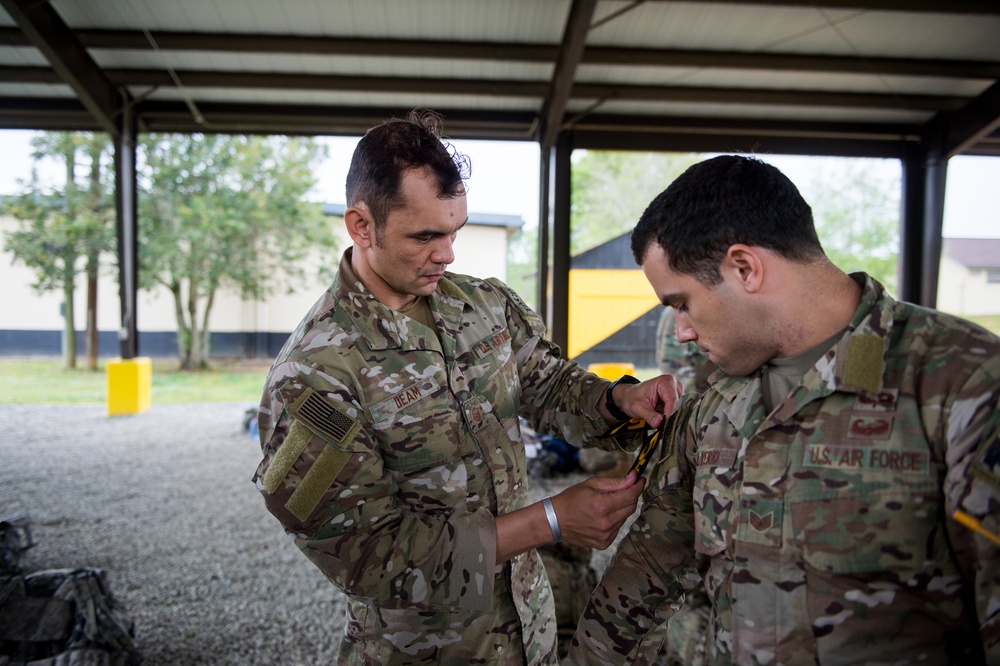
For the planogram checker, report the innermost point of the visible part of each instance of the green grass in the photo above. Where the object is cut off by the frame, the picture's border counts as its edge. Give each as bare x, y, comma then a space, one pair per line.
25, 382
989, 322
44, 381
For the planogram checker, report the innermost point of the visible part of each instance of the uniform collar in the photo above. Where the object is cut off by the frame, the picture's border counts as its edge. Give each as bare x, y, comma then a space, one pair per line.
379, 324
854, 364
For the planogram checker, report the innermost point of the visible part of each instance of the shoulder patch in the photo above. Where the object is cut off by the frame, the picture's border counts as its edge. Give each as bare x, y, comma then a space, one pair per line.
324, 418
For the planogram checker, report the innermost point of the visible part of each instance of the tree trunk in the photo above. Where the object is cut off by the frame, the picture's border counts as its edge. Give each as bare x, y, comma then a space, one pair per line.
195, 356
91, 335
69, 330
206, 333
183, 331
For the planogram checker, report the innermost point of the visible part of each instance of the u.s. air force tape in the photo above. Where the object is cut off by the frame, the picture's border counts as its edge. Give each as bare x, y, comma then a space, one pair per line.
311, 415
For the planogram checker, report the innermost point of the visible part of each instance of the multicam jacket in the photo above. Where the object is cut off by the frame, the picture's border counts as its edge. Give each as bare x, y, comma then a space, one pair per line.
823, 531
388, 450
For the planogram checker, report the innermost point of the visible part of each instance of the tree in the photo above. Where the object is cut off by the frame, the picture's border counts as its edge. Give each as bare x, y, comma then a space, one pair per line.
64, 233
221, 211
856, 210
611, 189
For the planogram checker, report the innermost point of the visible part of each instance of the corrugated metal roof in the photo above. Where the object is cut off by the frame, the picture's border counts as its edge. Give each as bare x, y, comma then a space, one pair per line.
867, 75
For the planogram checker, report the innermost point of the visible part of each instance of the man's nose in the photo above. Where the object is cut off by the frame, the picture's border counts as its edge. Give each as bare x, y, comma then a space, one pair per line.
444, 251
685, 331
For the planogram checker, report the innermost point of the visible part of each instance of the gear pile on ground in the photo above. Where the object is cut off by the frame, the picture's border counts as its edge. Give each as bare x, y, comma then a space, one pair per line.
58, 617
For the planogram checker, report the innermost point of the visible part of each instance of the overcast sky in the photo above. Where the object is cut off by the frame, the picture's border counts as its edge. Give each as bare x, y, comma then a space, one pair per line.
505, 179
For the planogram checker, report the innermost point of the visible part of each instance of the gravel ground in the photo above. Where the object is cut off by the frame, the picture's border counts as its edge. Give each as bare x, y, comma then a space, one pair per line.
163, 502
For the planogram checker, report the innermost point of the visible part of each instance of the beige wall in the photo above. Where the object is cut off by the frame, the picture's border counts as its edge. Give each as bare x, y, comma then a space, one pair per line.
479, 250
964, 292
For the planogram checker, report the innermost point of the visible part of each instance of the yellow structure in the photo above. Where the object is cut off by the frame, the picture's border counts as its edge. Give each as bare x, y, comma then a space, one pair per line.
603, 301
130, 383
611, 371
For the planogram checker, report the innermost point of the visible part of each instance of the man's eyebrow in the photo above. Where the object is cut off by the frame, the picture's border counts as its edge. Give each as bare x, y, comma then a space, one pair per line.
666, 299
436, 232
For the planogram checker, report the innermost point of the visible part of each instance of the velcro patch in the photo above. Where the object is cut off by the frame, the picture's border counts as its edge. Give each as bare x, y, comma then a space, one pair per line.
316, 481
865, 362
286, 455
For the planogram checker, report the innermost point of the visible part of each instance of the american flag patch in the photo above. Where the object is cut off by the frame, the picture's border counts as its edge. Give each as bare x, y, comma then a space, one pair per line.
325, 419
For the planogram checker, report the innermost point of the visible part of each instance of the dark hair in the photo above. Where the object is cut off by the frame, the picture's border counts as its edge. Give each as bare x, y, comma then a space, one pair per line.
722, 201
389, 149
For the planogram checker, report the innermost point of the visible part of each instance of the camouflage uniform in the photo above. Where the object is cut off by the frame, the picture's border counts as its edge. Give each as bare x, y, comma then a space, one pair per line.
822, 530
388, 450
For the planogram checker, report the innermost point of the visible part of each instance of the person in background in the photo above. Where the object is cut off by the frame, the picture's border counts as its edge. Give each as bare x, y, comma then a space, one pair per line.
392, 453
837, 487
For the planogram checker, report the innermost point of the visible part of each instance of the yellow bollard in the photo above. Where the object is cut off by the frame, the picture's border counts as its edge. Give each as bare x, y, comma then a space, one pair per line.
130, 382
611, 371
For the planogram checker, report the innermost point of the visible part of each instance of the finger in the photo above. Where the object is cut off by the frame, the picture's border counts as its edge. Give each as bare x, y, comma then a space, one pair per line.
612, 484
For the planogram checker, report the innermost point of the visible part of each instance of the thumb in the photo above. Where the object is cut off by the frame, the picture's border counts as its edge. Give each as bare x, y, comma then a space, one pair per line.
614, 484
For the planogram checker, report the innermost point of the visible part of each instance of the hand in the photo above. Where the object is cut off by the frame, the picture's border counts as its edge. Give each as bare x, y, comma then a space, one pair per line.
651, 400
591, 512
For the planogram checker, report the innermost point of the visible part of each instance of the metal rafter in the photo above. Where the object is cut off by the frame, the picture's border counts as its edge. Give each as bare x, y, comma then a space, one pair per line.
574, 40
49, 34
976, 121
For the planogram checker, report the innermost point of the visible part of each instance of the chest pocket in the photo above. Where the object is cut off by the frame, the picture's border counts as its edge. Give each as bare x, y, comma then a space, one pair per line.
491, 368
415, 426
891, 530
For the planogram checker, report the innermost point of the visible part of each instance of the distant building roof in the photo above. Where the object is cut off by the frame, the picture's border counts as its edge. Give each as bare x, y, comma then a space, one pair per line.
479, 219
613, 254
973, 253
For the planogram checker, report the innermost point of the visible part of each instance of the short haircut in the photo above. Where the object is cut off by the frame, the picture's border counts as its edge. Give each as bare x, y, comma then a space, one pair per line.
393, 147
720, 202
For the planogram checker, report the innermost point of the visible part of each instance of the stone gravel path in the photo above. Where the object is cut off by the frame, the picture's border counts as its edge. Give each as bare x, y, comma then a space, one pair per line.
163, 502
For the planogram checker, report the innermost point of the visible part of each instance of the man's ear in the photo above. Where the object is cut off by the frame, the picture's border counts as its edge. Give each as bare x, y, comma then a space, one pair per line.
745, 264
360, 225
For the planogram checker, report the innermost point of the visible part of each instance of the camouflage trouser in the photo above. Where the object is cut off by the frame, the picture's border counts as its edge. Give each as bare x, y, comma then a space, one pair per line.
687, 632
572, 579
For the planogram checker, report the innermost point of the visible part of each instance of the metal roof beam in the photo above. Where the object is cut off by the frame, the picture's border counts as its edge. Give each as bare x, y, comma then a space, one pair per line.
574, 40
959, 69
71, 61
520, 52
974, 122
504, 88
932, 6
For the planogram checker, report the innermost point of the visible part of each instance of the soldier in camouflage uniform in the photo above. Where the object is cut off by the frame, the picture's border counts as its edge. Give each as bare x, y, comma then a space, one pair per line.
837, 488
389, 428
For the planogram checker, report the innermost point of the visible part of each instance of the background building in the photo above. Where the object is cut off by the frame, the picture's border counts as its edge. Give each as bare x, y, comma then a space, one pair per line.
969, 283
31, 323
